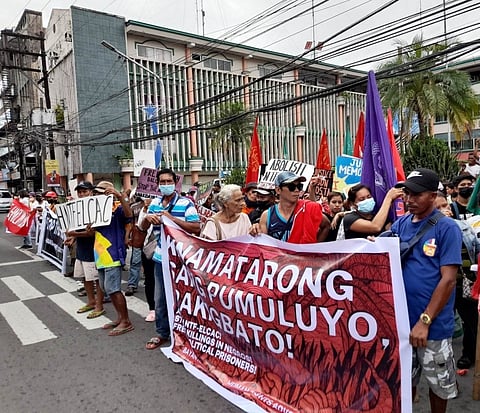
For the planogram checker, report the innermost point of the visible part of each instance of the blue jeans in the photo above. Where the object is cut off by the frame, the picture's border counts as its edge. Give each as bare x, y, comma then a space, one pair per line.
162, 326
135, 267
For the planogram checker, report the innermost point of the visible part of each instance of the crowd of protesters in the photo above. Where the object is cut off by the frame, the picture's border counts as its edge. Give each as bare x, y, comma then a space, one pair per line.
436, 261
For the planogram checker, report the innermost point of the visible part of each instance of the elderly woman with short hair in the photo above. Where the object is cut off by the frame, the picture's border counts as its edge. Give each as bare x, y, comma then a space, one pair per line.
230, 221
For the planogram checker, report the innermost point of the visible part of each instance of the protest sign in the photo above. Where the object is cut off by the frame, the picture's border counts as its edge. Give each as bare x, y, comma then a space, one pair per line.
281, 327
275, 166
50, 245
324, 184
143, 158
348, 172
147, 186
77, 214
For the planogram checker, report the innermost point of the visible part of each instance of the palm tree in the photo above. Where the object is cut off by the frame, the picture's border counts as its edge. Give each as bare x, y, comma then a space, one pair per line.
426, 91
232, 126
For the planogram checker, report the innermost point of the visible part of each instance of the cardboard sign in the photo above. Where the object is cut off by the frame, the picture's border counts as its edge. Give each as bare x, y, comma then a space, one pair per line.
275, 166
324, 185
348, 172
147, 186
77, 214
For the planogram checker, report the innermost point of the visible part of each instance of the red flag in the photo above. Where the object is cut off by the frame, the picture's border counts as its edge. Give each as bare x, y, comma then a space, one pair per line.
19, 218
254, 157
323, 157
397, 162
359, 137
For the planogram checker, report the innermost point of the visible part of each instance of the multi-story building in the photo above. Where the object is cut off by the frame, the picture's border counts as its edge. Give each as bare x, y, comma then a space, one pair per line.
102, 99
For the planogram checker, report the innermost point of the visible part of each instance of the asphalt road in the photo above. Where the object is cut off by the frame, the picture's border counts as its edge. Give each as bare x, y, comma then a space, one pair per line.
69, 364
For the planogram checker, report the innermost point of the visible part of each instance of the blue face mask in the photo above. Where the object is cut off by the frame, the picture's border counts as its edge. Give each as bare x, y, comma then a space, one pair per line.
166, 190
366, 206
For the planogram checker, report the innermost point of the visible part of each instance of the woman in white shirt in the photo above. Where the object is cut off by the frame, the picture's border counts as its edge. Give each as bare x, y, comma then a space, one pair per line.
230, 221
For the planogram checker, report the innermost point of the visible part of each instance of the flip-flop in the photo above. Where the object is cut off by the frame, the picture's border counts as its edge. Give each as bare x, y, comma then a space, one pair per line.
95, 314
85, 309
154, 343
110, 325
119, 331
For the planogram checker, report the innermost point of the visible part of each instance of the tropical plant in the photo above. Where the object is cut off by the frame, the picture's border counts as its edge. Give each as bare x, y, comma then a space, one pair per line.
432, 154
127, 152
232, 126
416, 86
237, 176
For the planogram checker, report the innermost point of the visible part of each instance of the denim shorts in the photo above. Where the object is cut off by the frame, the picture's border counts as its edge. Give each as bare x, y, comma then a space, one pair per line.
438, 366
110, 279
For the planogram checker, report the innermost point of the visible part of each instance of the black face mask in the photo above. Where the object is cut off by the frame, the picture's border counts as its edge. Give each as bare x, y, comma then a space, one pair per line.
465, 192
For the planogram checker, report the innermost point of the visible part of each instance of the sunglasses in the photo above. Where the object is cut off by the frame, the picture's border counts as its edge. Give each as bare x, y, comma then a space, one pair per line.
291, 187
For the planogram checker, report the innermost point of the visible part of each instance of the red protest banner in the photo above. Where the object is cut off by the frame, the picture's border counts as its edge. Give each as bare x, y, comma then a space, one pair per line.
288, 327
19, 218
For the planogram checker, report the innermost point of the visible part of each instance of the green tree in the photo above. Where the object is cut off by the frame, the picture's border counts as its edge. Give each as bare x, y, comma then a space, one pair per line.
237, 176
232, 126
432, 154
426, 91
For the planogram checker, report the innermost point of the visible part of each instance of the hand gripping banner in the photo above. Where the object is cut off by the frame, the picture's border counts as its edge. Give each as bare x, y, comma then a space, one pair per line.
279, 327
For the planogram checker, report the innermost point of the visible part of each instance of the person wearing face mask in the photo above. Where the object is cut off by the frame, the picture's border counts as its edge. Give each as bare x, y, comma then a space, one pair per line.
464, 186
265, 199
181, 211
362, 221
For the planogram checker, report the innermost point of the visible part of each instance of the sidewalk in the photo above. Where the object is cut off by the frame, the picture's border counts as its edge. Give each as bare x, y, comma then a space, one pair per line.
464, 402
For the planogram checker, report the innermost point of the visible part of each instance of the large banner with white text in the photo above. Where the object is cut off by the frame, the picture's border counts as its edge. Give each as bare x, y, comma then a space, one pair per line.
280, 327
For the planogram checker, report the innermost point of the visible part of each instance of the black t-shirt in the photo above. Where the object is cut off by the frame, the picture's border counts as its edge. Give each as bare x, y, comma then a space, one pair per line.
460, 211
348, 221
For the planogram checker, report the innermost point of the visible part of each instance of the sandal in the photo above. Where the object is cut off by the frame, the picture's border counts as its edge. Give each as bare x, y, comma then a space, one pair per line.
119, 331
85, 308
95, 314
155, 342
110, 325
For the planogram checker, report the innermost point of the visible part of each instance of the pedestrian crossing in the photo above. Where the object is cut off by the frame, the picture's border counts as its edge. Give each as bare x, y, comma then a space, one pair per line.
29, 329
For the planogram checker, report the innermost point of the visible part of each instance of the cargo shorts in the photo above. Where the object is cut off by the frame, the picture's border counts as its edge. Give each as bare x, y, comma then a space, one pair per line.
437, 363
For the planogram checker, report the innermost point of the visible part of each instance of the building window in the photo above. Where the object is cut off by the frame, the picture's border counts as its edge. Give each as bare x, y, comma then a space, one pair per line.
154, 53
217, 64
268, 69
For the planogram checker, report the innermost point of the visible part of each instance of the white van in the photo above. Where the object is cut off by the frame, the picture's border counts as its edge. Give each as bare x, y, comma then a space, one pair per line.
6, 200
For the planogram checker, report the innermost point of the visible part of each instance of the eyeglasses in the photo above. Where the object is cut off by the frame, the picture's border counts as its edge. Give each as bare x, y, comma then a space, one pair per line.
292, 186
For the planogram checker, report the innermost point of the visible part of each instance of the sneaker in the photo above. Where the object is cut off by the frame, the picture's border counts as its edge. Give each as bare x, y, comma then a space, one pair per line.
130, 290
150, 316
26, 247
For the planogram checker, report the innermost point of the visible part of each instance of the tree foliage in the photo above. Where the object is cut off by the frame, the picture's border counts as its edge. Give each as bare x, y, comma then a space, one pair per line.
235, 127
237, 176
416, 86
432, 154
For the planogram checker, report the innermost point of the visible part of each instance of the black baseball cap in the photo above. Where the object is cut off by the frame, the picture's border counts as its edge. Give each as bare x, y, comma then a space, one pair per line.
84, 185
421, 180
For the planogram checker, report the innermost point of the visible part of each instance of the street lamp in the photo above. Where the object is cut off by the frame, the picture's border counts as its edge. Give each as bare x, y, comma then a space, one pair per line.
163, 108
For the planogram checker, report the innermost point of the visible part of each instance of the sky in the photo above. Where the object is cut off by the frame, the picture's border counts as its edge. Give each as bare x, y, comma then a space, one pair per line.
326, 22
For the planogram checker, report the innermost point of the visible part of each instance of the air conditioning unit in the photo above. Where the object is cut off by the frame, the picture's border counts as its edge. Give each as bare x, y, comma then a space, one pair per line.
476, 124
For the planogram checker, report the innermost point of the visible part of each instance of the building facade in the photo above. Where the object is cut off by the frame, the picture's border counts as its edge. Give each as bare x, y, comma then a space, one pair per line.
104, 103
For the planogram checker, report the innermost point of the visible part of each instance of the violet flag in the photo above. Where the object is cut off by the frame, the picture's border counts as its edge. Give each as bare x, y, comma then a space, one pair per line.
158, 154
377, 169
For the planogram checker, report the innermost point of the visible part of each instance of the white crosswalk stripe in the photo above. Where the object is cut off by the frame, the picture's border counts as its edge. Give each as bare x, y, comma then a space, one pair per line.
22, 289
26, 325
70, 304
30, 329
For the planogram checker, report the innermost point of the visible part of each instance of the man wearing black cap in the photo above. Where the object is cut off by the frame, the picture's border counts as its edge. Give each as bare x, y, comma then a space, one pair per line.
429, 273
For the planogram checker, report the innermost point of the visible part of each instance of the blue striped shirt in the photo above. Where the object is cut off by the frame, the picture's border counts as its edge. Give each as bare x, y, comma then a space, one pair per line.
183, 208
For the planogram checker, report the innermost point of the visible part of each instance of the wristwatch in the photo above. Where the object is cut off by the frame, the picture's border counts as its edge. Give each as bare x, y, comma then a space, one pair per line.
425, 319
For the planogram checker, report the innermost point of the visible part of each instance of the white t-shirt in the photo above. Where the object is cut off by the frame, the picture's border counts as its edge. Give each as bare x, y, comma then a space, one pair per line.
233, 229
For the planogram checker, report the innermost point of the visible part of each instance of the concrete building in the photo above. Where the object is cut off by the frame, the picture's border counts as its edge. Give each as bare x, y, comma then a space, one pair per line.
442, 128
100, 99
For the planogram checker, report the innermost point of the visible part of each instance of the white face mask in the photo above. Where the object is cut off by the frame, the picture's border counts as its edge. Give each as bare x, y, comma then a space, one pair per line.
366, 206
